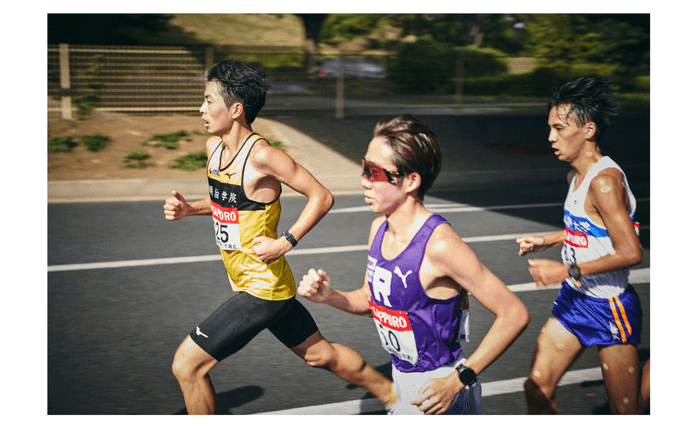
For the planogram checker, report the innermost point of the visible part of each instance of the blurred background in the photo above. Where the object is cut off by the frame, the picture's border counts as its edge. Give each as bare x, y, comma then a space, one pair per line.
481, 80
154, 63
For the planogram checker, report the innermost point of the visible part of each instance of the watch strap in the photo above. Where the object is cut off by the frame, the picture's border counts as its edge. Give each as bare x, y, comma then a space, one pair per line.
287, 235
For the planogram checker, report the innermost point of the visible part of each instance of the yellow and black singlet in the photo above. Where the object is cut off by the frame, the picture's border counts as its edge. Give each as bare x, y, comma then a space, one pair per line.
238, 220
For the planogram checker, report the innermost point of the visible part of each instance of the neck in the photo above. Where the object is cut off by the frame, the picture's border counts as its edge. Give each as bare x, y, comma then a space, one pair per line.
585, 161
407, 218
235, 138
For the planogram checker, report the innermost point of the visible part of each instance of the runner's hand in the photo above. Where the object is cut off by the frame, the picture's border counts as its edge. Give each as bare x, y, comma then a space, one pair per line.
436, 395
548, 272
315, 286
175, 207
531, 244
268, 249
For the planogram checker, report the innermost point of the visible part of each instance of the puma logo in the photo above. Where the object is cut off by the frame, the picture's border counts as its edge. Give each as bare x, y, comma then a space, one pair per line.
402, 276
199, 333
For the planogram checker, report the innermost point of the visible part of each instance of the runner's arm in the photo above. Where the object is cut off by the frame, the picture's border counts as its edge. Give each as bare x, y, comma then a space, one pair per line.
315, 286
448, 256
540, 243
176, 207
607, 195
278, 164
455, 259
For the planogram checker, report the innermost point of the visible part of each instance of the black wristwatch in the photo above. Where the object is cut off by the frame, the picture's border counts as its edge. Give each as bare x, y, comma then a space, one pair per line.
574, 272
290, 238
466, 375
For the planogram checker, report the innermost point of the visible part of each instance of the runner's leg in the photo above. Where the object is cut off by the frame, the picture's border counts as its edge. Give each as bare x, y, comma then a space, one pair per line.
621, 374
556, 350
191, 367
347, 364
223, 333
297, 330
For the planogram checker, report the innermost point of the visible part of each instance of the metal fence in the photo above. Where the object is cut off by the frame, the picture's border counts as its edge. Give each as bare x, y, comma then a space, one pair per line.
125, 78
152, 80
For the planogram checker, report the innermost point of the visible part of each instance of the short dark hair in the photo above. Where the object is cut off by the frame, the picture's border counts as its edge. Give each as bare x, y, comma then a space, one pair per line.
588, 97
415, 148
239, 82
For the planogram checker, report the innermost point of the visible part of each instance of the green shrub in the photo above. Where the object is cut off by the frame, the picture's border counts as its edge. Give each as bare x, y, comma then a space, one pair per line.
191, 161
482, 61
96, 142
136, 160
61, 144
168, 140
430, 67
424, 66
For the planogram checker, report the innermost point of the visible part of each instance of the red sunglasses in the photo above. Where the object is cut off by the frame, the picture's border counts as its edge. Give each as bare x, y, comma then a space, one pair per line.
375, 173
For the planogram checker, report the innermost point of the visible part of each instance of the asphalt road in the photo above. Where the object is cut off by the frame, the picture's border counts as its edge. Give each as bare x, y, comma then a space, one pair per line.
125, 286
113, 327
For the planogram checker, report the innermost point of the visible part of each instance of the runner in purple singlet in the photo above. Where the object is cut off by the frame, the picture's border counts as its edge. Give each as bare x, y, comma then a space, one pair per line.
419, 272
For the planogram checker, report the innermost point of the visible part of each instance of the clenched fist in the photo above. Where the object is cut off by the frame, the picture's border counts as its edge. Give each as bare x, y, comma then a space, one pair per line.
315, 286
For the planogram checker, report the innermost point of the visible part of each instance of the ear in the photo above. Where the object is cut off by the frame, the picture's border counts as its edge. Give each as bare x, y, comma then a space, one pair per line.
590, 130
412, 182
236, 110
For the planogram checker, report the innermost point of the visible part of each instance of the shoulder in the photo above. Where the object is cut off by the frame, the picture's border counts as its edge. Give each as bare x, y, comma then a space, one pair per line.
211, 144
607, 180
262, 152
444, 242
608, 186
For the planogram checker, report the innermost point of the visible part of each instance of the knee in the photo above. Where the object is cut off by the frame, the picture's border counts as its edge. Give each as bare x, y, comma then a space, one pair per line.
186, 367
322, 356
537, 390
180, 368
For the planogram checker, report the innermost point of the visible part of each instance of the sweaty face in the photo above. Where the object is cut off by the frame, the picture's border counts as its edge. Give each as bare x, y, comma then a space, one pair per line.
566, 137
217, 117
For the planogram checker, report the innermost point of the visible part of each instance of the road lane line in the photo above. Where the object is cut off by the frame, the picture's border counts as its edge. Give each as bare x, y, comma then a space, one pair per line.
215, 257
495, 388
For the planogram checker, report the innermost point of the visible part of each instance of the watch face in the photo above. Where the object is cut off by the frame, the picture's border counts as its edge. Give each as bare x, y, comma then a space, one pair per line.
466, 375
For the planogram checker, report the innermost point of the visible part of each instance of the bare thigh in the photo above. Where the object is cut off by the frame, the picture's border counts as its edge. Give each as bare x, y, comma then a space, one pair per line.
621, 374
556, 350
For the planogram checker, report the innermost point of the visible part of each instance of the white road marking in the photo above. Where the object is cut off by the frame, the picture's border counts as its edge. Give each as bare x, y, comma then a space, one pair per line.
364, 406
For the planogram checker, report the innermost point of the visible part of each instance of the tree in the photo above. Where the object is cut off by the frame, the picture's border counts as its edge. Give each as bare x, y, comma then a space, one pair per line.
312, 27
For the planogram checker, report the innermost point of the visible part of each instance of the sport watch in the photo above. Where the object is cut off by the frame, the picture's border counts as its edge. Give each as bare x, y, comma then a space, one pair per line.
287, 235
466, 375
574, 272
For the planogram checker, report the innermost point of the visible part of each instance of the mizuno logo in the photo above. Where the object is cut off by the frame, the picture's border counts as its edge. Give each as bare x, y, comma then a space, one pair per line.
199, 333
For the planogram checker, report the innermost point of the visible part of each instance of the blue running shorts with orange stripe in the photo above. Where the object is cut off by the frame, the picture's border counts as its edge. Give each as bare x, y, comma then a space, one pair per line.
596, 321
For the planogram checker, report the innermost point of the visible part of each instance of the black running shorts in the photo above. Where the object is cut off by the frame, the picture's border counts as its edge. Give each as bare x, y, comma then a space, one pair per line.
243, 316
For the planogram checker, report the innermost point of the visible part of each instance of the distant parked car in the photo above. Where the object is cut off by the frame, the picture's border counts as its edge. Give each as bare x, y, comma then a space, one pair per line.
354, 67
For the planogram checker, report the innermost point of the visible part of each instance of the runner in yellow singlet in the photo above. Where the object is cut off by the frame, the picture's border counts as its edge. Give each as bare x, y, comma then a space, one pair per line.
245, 177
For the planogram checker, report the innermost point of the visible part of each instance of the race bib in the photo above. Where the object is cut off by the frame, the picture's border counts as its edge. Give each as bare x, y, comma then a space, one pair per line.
395, 332
226, 229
